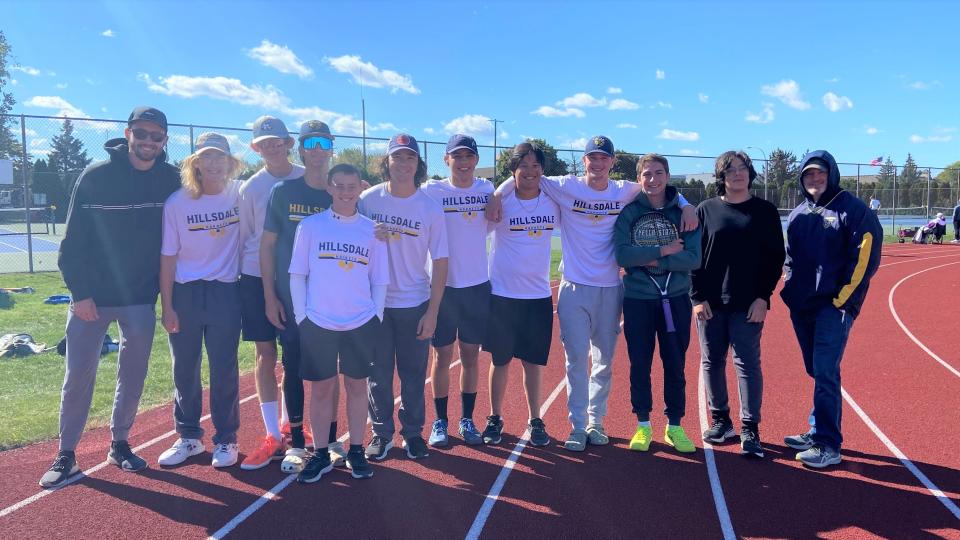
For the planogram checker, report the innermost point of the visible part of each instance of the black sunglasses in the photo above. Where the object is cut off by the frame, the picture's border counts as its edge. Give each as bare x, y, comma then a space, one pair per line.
141, 134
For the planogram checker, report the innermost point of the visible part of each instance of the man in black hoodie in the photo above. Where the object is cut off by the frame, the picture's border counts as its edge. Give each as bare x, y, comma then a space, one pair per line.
833, 249
110, 261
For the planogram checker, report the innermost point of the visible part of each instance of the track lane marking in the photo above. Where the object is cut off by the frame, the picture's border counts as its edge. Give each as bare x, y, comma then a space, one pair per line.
896, 317
723, 514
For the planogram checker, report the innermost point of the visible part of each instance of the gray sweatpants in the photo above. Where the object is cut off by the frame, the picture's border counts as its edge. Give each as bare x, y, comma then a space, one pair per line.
717, 335
589, 326
209, 315
399, 347
84, 341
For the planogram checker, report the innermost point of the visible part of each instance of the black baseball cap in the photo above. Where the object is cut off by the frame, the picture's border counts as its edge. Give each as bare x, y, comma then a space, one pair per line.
149, 114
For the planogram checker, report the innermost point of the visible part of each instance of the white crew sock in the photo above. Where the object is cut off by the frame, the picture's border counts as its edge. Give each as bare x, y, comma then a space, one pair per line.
269, 412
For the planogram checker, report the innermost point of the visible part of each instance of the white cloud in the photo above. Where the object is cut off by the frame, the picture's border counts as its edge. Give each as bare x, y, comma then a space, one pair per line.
469, 124
384, 126
552, 112
921, 85
30, 133
788, 92
674, 135
429, 130
627, 126
180, 139
940, 135
870, 130
661, 75
36, 143
61, 86
689, 152
14, 82
108, 33
370, 75
614, 90
836, 103
763, 117
582, 99
833, 80
377, 146
574, 144
662, 105
64, 107
32, 71
621, 104
703, 97
280, 58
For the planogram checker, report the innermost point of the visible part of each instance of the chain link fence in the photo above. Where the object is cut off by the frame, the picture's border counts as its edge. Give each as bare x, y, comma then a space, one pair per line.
33, 205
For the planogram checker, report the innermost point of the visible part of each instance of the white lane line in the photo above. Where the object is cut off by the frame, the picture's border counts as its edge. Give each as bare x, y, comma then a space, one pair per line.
719, 501
903, 326
21, 250
918, 260
477, 527
927, 483
270, 494
80, 475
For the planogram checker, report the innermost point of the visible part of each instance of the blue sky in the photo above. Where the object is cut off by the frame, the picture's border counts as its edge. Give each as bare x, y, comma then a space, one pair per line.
861, 79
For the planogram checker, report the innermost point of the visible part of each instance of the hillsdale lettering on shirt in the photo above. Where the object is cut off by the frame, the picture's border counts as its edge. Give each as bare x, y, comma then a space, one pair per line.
466, 228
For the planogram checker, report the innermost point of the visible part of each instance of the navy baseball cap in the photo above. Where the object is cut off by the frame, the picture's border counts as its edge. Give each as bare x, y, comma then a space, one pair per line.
459, 141
312, 128
599, 144
402, 141
148, 114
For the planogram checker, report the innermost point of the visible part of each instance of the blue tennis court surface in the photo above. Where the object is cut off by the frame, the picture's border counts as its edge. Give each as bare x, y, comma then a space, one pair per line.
18, 244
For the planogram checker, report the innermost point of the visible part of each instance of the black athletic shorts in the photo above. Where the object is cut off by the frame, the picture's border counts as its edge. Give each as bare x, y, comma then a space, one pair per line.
519, 328
463, 313
320, 348
255, 324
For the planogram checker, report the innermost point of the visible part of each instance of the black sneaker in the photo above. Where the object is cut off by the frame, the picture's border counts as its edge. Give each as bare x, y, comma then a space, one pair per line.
378, 447
416, 447
719, 431
491, 433
318, 465
122, 456
750, 443
538, 433
358, 465
64, 466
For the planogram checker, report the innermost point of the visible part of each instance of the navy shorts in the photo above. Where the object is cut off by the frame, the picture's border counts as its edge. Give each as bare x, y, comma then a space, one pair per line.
463, 313
255, 324
519, 328
320, 350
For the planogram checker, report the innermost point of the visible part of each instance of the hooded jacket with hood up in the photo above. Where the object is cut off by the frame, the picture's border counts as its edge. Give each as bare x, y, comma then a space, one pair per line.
833, 247
111, 250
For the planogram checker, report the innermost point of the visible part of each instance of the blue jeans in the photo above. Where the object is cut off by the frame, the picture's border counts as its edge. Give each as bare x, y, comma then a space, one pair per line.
822, 335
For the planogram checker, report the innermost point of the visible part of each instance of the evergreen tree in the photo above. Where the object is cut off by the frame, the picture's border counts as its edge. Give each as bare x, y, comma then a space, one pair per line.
625, 166
909, 172
782, 175
10, 147
68, 157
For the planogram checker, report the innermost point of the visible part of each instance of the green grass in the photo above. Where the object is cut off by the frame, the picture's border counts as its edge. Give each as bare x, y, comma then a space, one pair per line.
30, 387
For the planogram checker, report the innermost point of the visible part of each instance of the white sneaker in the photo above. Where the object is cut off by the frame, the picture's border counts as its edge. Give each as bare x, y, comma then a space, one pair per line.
338, 455
225, 455
180, 451
294, 460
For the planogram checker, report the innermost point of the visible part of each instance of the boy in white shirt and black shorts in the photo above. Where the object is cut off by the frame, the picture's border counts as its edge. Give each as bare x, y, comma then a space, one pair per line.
466, 300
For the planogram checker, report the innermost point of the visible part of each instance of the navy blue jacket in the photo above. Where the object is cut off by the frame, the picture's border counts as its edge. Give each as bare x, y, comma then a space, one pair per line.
833, 248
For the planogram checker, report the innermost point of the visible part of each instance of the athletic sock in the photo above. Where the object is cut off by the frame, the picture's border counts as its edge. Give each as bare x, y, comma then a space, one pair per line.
440, 404
333, 433
297, 439
269, 412
284, 415
468, 401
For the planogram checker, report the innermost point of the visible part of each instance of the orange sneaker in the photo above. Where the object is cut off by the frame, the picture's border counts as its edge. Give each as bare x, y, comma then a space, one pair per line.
307, 434
269, 450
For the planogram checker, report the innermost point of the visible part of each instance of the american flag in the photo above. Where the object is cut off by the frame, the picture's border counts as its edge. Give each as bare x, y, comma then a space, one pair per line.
877, 161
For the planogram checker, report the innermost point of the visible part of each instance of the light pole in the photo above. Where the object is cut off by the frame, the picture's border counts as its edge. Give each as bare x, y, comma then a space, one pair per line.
495, 122
765, 164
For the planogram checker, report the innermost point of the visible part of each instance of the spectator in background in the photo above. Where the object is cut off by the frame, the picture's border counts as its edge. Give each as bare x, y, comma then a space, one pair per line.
874, 204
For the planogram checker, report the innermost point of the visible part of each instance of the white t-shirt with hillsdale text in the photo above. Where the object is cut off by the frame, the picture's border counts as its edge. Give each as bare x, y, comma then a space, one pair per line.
342, 260
463, 210
254, 196
416, 234
520, 258
204, 234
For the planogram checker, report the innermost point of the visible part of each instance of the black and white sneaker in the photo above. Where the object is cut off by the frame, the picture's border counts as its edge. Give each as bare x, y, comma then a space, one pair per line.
804, 441
318, 465
378, 447
63, 468
122, 456
719, 431
750, 443
358, 465
538, 432
492, 433
416, 447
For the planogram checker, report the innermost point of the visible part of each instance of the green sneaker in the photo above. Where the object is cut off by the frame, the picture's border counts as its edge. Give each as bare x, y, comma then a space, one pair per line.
641, 439
675, 437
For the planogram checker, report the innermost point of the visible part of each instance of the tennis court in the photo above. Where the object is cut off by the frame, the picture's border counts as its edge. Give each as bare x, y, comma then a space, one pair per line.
17, 246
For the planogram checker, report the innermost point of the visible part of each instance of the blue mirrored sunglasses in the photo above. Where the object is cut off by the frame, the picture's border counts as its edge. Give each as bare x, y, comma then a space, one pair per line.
313, 142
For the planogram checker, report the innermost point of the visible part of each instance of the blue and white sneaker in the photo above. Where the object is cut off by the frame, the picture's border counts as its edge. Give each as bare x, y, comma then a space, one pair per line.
438, 433
469, 432
819, 456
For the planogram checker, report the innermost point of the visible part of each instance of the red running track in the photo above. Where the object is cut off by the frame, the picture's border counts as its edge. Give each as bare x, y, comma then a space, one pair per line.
899, 478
